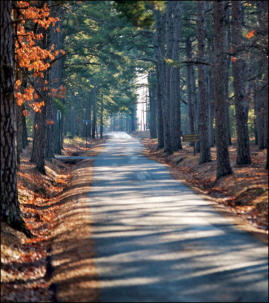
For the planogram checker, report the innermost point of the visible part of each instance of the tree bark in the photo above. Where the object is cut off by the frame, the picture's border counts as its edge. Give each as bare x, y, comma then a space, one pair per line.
152, 105
259, 117
94, 114
203, 121
55, 80
165, 36
160, 110
39, 140
10, 209
189, 87
226, 73
264, 27
40, 136
89, 113
160, 70
175, 104
241, 104
223, 161
101, 118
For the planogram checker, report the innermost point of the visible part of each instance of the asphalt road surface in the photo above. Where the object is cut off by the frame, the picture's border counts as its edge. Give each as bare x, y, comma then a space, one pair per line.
157, 241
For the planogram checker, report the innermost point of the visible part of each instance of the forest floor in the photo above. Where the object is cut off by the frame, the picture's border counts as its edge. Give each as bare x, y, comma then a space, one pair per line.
27, 274
243, 194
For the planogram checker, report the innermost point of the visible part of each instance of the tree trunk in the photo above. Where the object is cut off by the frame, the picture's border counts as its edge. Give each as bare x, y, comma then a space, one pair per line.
259, 117
59, 132
160, 111
94, 114
223, 161
241, 104
89, 114
101, 118
166, 52
189, 87
196, 106
39, 140
211, 106
226, 73
40, 136
159, 52
175, 109
10, 209
264, 29
203, 121
265, 99
55, 80
152, 105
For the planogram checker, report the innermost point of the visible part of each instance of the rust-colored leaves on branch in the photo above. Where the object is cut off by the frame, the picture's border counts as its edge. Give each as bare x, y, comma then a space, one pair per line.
29, 55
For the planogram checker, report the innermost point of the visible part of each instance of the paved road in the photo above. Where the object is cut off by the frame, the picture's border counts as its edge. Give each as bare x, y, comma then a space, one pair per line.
157, 241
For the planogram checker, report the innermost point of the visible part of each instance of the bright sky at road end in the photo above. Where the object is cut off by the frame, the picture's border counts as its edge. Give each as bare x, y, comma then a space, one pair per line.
142, 100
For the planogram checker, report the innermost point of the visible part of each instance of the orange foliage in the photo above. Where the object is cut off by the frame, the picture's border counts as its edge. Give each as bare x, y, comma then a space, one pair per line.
234, 59
37, 106
29, 55
250, 34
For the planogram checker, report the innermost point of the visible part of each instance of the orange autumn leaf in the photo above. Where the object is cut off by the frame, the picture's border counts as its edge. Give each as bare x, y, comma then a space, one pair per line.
20, 101
62, 51
250, 34
24, 112
18, 83
50, 122
36, 106
36, 126
234, 59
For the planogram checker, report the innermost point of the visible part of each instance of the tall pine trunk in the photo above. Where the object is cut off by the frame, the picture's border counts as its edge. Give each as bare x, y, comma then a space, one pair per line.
226, 72
159, 48
55, 80
10, 210
94, 113
175, 110
160, 111
223, 161
189, 87
203, 121
101, 118
165, 46
152, 105
241, 103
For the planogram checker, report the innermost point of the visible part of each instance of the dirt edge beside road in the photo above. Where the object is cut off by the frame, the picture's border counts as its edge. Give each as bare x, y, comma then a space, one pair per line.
74, 277
73, 274
222, 195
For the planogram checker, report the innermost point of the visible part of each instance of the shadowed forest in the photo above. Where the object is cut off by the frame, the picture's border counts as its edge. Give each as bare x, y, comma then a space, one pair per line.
188, 79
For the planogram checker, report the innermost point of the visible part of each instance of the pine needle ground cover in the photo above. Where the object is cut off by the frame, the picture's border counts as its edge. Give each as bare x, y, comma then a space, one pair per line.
243, 194
30, 267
